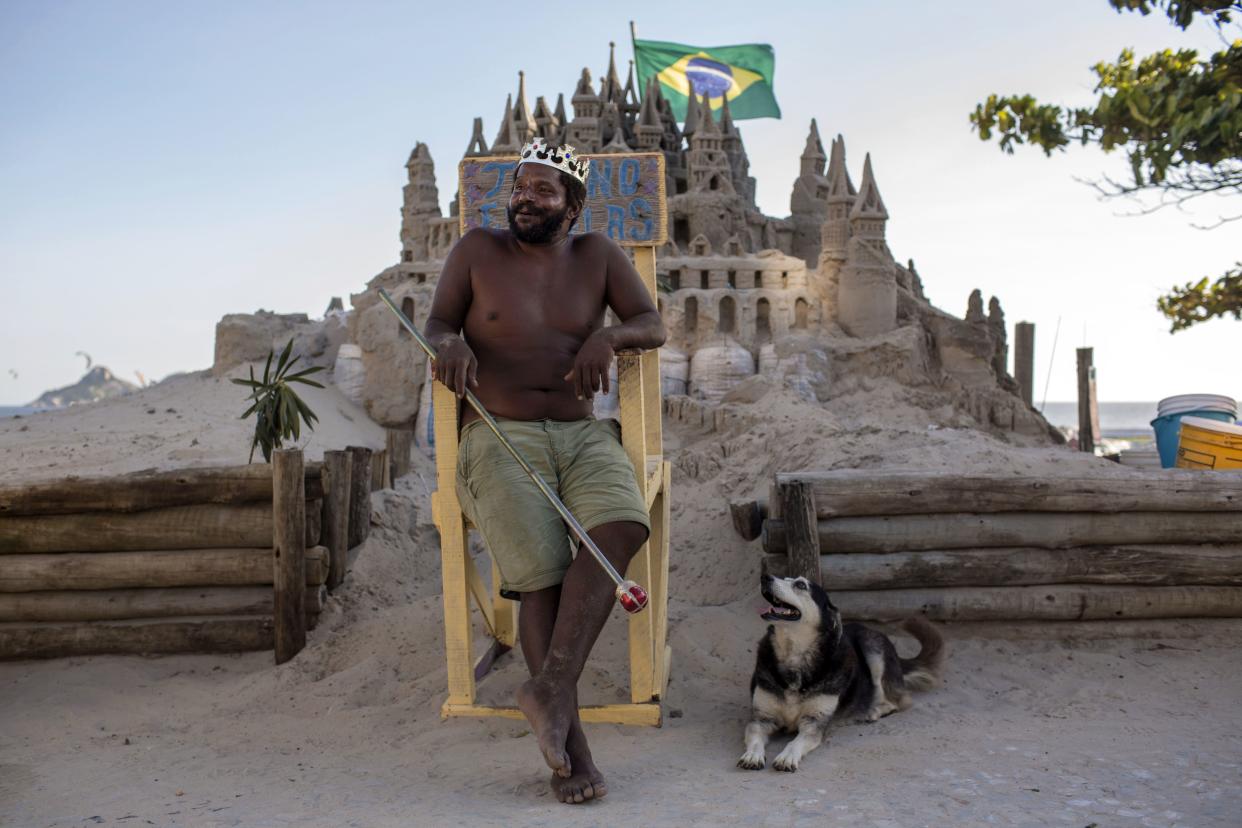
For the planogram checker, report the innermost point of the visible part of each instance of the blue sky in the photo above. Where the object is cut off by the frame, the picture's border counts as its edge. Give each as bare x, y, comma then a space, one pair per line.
162, 164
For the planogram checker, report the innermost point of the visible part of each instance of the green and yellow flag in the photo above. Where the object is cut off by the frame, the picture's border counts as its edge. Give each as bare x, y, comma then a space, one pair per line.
742, 74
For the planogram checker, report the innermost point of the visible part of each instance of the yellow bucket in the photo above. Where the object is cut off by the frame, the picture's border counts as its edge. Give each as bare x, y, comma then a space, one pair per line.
1209, 444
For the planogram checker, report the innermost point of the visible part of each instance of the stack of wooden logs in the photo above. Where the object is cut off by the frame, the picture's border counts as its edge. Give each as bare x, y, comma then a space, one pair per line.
1162, 544
206, 559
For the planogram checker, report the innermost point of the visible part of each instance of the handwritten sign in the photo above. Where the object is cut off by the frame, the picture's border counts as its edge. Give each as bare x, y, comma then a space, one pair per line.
625, 196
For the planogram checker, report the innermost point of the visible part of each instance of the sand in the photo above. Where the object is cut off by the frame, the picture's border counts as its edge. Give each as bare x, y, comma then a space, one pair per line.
1037, 724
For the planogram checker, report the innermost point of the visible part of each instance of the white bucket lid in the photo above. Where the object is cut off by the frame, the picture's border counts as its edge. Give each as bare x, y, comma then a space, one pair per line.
349, 351
1212, 425
1196, 402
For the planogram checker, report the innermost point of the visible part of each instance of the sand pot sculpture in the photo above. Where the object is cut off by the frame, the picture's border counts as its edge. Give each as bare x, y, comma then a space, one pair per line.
815, 301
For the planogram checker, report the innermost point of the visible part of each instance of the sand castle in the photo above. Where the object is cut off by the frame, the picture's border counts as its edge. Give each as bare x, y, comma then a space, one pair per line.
815, 300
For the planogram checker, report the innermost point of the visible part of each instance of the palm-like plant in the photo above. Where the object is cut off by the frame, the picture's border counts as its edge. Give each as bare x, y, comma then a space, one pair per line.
278, 409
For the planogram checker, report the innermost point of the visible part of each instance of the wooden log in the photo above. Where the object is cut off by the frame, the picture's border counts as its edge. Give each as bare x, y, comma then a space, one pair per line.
1056, 602
1047, 530
213, 635
337, 466
1146, 565
857, 492
1024, 360
122, 570
147, 490
379, 470
177, 527
123, 604
289, 560
1088, 405
360, 495
748, 517
398, 442
801, 530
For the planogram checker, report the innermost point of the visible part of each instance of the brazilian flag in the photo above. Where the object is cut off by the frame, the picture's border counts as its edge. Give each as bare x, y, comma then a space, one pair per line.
742, 74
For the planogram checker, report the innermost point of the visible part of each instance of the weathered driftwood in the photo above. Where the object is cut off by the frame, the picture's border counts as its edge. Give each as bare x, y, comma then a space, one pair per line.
360, 495
24, 640
337, 466
748, 517
121, 570
857, 492
379, 470
398, 444
1010, 566
122, 604
801, 532
1048, 530
289, 559
147, 490
177, 527
1057, 602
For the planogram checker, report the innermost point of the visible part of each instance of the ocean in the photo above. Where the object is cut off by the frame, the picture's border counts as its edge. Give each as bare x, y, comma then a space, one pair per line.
12, 410
1117, 419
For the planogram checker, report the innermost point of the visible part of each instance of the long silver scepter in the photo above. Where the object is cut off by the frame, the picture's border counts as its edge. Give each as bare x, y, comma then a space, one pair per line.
633, 597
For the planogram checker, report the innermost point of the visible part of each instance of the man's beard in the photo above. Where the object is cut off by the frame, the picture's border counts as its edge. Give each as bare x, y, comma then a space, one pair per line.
542, 232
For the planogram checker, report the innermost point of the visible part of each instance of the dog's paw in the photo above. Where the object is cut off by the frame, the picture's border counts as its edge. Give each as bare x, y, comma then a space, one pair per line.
751, 761
789, 764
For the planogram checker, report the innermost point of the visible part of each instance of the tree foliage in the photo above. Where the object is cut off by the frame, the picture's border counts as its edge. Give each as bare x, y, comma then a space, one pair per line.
1176, 116
278, 410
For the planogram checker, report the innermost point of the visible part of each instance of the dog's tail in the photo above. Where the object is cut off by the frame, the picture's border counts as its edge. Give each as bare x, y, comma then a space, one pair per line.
923, 671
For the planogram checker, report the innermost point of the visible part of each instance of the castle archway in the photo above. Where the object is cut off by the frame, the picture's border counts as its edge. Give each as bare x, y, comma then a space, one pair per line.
727, 323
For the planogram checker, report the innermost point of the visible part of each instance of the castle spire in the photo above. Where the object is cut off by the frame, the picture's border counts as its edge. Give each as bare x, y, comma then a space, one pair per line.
611, 89
478, 146
505, 142
523, 126
692, 115
612, 119
649, 130
546, 124
706, 125
868, 204
630, 104
813, 155
726, 120
559, 112
840, 188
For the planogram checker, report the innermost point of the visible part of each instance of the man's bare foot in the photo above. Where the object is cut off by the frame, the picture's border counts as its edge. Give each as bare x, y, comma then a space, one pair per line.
549, 707
586, 782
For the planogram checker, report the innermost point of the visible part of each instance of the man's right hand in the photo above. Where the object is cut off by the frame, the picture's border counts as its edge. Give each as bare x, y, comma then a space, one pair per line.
455, 365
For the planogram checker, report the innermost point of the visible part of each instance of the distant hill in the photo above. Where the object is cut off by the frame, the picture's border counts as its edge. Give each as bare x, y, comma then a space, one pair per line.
98, 384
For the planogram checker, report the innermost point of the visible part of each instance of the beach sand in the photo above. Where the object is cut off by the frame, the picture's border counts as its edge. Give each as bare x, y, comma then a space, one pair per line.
1038, 724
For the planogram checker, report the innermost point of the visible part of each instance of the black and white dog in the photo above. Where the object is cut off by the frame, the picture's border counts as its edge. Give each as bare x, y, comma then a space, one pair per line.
811, 670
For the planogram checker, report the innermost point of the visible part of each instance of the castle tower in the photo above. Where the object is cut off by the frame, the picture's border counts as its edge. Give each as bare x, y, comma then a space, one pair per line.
835, 235
691, 124
523, 125
421, 202
583, 131
610, 88
808, 203
707, 166
631, 106
478, 146
546, 124
867, 291
611, 123
561, 119
506, 143
731, 142
648, 131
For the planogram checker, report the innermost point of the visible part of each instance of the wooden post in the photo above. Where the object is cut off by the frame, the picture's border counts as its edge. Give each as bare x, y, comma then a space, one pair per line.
399, 441
289, 544
1024, 360
337, 468
359, 495
802, 530
1088, 406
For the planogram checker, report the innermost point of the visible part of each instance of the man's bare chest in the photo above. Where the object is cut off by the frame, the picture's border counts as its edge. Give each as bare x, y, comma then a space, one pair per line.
514, 301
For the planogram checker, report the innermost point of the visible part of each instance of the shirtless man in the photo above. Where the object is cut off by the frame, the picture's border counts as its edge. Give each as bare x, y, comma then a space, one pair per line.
518, 317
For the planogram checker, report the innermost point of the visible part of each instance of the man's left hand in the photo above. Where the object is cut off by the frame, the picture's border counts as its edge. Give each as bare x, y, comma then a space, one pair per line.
590, 371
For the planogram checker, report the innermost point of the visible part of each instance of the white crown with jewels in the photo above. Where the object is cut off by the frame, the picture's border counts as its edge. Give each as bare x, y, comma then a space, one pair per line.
564, 158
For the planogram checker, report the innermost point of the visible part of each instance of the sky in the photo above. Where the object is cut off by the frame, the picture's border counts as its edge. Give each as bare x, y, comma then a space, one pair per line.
163, 164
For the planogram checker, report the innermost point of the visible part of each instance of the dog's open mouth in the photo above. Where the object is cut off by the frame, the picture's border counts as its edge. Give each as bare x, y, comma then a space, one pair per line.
779, 611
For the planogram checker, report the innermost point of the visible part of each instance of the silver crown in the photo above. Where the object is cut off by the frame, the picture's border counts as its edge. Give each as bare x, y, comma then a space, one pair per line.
564, 158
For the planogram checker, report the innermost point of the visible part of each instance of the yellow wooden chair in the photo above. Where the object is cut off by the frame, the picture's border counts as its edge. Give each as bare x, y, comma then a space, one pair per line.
638, 382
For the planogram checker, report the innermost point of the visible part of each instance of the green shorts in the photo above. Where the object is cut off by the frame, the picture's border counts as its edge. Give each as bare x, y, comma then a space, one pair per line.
581, 460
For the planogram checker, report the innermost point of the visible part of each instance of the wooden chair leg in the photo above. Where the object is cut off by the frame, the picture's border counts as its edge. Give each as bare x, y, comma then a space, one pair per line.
659, 579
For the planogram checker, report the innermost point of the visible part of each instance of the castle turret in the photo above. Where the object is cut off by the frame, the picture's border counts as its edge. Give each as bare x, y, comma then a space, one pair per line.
808, 203
867, 289
524, 128
506, 143
735, 150
835, 235
611, 123
691, 124
561, 119
706, 164
648, 131
478, 146
610, 88
546, 124
421, 203
583, 131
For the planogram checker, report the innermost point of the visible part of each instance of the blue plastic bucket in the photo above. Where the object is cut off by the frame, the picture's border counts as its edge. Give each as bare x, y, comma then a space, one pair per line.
1168, 430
